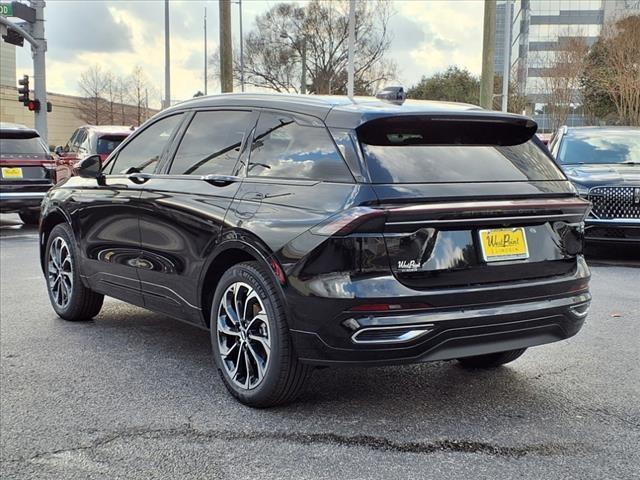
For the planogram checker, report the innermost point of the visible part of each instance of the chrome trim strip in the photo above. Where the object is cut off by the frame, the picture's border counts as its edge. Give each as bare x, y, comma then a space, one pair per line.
543, 203
436, 317
417, 331
4, 195
489, 219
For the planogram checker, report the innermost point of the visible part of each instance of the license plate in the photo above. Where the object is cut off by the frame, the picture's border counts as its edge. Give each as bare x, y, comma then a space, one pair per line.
11, 172
503, 244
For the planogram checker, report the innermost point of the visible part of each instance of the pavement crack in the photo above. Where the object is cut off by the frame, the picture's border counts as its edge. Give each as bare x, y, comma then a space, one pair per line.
363, 441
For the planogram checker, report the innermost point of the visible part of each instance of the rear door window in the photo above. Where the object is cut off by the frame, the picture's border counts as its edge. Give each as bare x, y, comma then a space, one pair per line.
211, 145
413, 153
288, 147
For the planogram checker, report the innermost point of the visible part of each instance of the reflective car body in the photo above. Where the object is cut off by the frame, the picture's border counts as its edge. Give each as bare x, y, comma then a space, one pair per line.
27, 169
604, 165
374, 263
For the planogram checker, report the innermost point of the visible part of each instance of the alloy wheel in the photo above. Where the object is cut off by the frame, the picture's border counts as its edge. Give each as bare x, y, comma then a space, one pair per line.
244, 338
60, 272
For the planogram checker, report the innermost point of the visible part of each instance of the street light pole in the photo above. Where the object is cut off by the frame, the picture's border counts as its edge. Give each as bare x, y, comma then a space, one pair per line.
352, 41
39, 70
167, 58
226, 55
205, 50
241, 47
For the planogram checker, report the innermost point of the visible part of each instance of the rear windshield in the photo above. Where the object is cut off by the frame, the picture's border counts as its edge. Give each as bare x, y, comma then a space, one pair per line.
108, 143
600, 147
444, 152
21, 145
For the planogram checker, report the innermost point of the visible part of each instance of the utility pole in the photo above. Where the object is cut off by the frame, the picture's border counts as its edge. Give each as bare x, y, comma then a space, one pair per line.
506, 68
488, 49
167, 57
226, 55
352, 41
205, 50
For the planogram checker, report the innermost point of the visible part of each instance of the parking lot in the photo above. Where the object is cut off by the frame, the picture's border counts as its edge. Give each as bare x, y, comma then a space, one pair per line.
134, 394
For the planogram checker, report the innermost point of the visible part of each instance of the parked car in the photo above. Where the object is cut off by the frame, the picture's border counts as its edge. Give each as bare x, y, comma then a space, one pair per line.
544, 137
89, 140
27, 171
305, 231
604, 165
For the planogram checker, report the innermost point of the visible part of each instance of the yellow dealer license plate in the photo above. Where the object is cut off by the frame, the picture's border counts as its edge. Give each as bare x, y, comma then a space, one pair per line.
11, 172
503, 244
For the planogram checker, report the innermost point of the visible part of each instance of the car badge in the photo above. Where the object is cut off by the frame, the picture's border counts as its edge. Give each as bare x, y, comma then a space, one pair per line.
636, 196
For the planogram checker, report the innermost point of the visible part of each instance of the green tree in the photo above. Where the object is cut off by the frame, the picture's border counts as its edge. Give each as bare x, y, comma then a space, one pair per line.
452, 85
597, 101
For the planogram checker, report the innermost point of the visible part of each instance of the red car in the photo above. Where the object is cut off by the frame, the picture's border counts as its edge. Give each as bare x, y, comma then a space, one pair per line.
27, 171
89, 140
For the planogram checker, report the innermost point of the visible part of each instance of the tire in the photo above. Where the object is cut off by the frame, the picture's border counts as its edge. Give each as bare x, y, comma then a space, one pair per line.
70, 299
491, 360
260, 336
30, 217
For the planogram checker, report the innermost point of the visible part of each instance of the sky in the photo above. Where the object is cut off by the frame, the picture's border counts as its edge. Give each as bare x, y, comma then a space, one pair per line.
427, 37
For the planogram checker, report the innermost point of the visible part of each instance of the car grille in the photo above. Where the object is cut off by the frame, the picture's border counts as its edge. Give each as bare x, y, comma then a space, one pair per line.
615, 202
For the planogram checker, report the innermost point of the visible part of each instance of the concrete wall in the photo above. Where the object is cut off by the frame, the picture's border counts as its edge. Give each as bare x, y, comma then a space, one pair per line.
62, 121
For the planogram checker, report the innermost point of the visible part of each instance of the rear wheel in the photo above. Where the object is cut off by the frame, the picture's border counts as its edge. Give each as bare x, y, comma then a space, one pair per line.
69, 298
491, 360
250, 339
30, 217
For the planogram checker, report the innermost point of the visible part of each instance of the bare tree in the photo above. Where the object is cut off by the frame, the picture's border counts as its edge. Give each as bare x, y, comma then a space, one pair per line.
92, 85
139, 88
562, 78
316, 34
618, 71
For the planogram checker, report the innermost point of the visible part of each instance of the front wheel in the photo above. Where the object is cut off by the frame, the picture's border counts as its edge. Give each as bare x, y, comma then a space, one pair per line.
250, 339
69, 298
491, 360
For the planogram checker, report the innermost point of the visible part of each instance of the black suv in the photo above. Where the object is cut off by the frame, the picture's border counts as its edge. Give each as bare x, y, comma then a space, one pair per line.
305, 231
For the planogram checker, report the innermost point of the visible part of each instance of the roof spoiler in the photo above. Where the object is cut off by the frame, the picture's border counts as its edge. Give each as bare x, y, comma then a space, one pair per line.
469, 128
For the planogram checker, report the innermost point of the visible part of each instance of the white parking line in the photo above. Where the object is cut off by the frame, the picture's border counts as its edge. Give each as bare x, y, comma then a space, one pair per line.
34, 235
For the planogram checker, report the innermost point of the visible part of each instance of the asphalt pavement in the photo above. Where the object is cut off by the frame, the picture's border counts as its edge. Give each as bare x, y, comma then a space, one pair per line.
133, 394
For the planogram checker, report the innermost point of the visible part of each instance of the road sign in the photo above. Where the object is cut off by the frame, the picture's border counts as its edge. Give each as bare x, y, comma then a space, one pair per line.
6, 9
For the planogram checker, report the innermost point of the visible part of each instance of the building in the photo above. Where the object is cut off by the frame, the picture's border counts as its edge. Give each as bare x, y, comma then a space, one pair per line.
539, 27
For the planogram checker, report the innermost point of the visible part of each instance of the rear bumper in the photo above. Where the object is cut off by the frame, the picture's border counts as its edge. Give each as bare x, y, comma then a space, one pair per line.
433, 324
613, 231
455, 333
15, 201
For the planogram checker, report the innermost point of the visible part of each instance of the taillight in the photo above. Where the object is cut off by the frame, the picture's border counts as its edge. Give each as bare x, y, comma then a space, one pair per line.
386, 307
361, 219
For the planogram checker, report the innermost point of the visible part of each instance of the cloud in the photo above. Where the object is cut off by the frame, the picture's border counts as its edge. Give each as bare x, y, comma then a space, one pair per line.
76, 27
427, 36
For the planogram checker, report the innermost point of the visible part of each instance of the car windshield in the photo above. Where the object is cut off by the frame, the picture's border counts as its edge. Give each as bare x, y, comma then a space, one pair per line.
108, 143
21, 145
600, 147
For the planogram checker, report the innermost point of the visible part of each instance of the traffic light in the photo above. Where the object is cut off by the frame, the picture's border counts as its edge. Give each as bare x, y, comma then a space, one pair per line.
23, 90
33, 105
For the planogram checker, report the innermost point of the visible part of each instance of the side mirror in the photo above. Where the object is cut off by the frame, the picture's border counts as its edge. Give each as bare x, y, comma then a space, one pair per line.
89, 167
59, 150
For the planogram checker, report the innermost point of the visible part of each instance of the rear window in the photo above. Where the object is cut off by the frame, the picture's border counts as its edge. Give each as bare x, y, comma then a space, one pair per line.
442, 151
108, 143
21, 144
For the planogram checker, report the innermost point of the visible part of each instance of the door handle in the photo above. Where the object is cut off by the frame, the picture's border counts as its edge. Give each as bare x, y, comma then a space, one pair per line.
139, 177
220, 180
